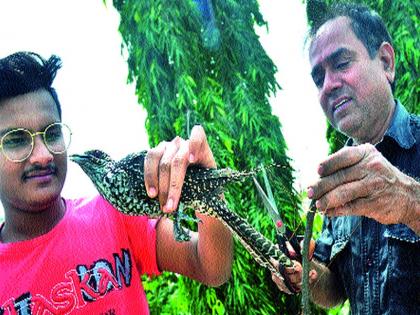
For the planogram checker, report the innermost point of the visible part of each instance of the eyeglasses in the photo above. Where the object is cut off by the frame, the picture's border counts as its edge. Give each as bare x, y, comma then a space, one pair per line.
17, 144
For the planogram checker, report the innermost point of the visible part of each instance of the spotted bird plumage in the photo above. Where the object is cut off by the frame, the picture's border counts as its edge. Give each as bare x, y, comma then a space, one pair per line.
121, 183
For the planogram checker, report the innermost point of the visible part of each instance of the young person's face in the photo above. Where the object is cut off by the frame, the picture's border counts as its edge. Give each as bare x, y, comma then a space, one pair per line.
354, 90
34, 184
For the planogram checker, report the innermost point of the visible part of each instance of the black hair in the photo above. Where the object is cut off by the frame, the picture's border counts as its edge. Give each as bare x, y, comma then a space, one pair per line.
25, 72
366, 24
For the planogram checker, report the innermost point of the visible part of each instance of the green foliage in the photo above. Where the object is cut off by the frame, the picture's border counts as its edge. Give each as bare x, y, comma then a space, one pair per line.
181, 82
336, 139
402, 20
340, 310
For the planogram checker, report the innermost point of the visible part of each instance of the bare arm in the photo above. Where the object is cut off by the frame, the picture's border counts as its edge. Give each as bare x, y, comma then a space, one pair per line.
207, 257
326, 289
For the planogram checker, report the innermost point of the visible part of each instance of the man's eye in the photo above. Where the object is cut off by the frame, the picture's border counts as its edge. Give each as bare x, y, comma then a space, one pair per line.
319, 82
342, 65
16, 141
54, 134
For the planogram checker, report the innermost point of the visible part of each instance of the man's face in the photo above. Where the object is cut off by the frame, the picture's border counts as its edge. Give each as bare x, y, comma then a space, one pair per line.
354, 90
34, 184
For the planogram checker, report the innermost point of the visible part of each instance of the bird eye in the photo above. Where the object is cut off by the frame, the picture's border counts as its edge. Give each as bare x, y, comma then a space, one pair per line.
97, 154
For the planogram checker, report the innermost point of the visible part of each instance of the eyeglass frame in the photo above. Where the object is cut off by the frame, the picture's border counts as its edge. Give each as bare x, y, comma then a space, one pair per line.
33, 135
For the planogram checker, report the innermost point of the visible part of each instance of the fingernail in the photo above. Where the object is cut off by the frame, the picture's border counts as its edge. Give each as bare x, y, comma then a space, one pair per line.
169, 205
191, 158
312, 276
320, 169
152, 192
310, 192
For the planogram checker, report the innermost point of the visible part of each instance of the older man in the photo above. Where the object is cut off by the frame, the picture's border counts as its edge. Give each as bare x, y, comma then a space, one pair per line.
369, 248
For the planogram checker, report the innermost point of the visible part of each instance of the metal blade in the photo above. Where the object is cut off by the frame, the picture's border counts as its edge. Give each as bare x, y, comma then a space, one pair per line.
268, 187
271, 208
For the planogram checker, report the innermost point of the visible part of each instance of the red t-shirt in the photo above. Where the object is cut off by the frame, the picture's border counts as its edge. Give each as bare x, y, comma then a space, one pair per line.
89, 263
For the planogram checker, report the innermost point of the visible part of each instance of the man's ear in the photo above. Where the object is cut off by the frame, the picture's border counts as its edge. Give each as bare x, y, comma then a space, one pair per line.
387, 57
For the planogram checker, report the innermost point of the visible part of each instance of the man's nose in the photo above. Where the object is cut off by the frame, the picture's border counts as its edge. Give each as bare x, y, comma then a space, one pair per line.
40, 153
332, 82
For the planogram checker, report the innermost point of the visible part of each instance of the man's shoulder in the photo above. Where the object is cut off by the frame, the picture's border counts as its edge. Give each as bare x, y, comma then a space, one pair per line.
89, 207
87, 201
98, 210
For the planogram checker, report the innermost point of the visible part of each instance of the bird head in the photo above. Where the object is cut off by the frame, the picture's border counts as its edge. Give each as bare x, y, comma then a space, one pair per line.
93, 162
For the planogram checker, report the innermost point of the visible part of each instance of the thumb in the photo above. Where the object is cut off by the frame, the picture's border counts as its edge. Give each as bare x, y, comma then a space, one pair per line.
200, 151
311, 248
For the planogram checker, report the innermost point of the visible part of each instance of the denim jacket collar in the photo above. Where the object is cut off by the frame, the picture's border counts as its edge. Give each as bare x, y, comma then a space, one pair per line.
399, 129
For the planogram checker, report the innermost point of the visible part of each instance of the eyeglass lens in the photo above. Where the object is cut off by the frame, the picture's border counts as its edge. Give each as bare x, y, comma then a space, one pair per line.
17, 144
57, 138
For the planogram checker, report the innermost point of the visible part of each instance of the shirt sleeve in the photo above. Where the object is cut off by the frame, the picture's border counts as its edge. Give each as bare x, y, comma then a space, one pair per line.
324, 243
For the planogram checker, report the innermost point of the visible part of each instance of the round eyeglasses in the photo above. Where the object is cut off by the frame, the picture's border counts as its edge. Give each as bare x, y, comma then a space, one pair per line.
17, 144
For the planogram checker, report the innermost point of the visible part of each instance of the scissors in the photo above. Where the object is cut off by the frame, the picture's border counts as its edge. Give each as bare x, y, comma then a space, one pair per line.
284, 234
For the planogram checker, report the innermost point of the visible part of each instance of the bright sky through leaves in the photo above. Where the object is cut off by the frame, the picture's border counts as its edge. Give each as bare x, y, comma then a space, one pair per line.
102, 109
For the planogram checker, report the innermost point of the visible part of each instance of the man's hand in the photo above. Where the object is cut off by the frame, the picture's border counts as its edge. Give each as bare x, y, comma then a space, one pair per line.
166, 164
325, 286
294, 273
360, 181
207, 256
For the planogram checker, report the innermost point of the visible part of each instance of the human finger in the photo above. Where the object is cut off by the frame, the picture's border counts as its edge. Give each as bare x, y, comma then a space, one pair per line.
280, 283
199, 150
364, 207
179, 166
165, 170
294, 274
278, 280
151, 169
313, 276
291, 250
344, 158
334, 180
311, 251
343, 194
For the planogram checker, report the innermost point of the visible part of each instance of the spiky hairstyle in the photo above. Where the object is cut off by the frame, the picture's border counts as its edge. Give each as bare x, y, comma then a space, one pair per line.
25, 72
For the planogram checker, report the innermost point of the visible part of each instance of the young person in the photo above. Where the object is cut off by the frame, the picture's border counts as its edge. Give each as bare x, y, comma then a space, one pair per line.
82, 256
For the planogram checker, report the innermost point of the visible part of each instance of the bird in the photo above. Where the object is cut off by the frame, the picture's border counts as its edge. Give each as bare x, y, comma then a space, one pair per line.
121, 183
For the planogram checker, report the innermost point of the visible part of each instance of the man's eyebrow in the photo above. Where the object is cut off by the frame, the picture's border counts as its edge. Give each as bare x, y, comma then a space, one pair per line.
4, 131
338, 53
331, 58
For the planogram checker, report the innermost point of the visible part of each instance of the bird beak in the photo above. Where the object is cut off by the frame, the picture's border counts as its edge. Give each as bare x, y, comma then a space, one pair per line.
77, 158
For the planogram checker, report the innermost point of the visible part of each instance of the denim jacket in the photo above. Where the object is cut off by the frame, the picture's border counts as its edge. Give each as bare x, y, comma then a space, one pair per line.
379, 265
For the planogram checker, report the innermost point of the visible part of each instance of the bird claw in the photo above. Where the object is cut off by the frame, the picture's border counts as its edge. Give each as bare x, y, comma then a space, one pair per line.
182, 234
